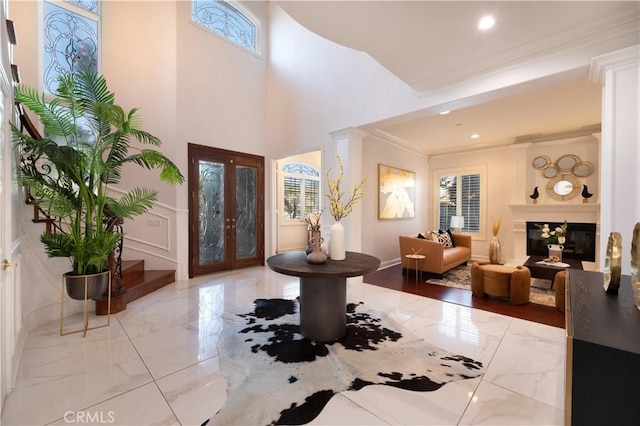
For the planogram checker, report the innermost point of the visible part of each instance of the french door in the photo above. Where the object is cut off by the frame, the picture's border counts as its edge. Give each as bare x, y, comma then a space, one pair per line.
226, 210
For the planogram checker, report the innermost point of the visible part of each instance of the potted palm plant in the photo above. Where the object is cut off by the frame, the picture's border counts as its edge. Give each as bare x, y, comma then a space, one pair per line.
88, 139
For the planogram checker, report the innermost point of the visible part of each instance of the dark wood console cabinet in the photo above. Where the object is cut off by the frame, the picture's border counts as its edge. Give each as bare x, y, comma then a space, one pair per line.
603, 352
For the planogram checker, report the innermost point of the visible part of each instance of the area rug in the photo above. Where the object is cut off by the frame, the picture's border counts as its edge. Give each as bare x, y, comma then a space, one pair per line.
460, 277
276, 376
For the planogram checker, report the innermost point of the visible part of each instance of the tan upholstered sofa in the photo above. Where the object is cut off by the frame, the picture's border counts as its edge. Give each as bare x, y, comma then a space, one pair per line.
439, 259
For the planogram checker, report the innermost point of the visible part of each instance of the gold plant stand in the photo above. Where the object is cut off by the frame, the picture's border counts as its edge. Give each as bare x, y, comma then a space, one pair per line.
85, 327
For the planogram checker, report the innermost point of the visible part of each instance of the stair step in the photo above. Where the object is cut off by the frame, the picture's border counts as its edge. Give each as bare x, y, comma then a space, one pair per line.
131, 270
137, 283
148, 282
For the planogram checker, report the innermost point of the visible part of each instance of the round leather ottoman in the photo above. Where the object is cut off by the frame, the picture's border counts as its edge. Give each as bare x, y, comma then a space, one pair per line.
512, 282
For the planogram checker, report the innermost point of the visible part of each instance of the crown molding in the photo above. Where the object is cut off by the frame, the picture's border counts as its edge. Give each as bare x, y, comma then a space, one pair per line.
620, 59
583, 131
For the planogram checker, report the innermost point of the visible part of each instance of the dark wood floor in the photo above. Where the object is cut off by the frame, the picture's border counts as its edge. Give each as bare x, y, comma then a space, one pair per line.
393, 278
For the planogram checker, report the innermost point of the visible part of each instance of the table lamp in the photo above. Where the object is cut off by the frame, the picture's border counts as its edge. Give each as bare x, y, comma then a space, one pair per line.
457, 223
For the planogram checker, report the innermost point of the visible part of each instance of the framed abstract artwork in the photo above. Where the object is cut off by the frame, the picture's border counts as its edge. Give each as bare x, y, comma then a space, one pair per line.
396, 193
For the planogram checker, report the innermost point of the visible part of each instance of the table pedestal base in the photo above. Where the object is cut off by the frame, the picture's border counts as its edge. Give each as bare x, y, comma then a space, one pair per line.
323, 308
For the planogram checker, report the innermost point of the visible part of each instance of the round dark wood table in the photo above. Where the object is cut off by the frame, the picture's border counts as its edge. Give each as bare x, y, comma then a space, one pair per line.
323, 290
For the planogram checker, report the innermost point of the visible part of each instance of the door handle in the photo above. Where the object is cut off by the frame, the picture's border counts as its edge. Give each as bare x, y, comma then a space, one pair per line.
6, 264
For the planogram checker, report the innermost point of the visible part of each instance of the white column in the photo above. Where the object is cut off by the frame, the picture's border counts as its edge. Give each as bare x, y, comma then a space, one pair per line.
522, 173
347, 145
620, 146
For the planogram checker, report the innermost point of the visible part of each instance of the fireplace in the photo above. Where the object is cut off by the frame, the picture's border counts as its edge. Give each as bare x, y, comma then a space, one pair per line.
580, 242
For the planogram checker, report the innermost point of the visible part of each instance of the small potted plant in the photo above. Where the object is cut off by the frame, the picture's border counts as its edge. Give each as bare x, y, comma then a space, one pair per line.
88, 139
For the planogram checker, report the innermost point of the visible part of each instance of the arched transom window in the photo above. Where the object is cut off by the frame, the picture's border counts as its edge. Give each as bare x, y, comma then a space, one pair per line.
225, 20
301, 190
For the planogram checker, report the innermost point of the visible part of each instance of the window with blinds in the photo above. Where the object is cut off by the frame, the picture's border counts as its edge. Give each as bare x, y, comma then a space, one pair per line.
460, 195
301, 190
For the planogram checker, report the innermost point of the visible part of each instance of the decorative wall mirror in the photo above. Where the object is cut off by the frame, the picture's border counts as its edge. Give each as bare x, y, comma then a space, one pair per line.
540, 162
563, 175
566, 163
583, 169
550, 172
563, 187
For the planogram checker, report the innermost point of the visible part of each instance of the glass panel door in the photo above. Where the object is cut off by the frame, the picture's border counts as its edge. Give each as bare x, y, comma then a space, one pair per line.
211, 213
246, 208
226, 210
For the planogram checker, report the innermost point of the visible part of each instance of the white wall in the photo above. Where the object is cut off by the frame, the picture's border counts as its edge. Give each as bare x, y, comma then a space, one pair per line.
317, 87
138, 59
380, 237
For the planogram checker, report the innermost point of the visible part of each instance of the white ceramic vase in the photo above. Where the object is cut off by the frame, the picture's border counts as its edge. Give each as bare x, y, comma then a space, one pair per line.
555, 250
336, 242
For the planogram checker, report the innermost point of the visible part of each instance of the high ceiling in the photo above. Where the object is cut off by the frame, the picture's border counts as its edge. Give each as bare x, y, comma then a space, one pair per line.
436, 46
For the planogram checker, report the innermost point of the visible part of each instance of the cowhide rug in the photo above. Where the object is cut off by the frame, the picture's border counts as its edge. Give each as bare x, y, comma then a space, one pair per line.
276, 376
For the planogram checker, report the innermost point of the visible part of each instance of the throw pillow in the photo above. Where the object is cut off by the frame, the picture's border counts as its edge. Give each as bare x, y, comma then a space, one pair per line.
443, 238
453, 243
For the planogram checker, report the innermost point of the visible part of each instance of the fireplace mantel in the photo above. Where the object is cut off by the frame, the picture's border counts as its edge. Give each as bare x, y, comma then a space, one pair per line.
526, 209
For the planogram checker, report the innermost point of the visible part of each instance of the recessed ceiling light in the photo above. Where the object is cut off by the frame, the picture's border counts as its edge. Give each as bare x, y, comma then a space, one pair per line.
486, 22
475, 136
445, 112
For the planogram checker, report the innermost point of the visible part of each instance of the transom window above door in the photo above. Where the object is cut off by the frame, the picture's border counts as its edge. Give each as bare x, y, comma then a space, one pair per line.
301, 190
226, 20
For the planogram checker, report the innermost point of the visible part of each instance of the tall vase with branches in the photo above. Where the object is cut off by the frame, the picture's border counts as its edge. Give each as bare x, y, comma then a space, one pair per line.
339, 208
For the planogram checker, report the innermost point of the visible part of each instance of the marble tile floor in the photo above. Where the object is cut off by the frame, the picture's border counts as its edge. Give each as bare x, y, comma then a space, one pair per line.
157, 362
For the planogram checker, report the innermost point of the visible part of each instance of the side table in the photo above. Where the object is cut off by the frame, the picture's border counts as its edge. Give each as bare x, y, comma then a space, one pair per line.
323, 290
418, 260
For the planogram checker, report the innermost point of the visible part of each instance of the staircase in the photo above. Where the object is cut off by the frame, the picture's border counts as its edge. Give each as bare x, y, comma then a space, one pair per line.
137, 282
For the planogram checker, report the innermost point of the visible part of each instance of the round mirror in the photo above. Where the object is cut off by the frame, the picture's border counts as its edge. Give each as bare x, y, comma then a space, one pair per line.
550, 172
566, 163
563, 187
540, 162
583, 169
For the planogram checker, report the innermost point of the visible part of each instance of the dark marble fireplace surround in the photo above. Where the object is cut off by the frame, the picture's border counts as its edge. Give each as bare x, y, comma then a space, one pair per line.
580, 241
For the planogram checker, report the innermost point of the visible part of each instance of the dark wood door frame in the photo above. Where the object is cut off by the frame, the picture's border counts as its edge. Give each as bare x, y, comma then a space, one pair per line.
231, 160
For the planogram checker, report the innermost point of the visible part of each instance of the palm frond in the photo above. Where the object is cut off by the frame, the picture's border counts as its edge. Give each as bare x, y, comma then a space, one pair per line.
91, 88
57, 119
134, 203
